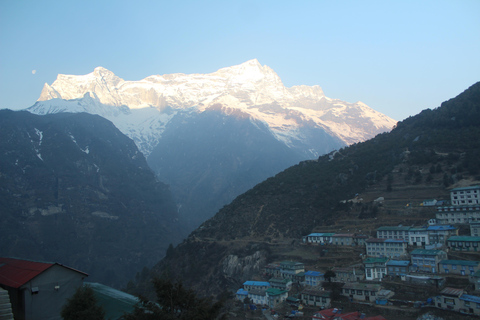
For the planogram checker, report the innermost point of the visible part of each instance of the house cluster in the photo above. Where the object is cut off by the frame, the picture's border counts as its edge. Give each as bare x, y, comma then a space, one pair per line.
284, 274
416, 254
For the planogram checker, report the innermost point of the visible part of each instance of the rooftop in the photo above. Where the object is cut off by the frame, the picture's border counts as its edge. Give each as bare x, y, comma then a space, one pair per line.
441, 227
317, 292
466, 188
471, 298
427, 252
452, 292
362, 286
460, 262
114, 302
16, 272
375, 260
393, 228
257, 283
400, 263
464, 238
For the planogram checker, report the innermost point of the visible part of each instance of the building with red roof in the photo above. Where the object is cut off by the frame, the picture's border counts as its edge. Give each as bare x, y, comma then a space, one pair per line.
38, 290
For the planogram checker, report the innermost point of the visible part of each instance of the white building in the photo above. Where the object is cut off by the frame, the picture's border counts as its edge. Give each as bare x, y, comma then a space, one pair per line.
458, 214
375, 268
393, 232
418, 236
475, 229
467, 196
391, 248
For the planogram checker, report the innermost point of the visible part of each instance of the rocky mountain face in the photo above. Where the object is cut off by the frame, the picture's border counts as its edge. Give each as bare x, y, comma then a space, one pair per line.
420, 159
213, 136
75, 190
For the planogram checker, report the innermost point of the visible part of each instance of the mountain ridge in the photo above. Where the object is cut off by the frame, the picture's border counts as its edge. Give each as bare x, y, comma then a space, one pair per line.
74, 189
251, 87
426, 154
296, 123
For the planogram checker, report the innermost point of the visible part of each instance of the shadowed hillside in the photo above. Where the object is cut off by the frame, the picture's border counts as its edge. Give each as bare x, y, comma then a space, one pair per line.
419, 159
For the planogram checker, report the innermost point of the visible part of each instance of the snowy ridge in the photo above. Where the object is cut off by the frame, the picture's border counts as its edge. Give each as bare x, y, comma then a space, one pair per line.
142, 109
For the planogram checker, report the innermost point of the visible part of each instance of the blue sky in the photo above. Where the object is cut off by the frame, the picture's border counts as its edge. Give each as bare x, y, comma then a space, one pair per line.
398, 57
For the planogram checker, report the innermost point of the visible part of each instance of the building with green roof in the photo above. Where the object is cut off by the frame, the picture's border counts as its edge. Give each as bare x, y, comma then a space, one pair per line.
114, 302
426, 260
275, 296
461, 267
375, 268
463, 243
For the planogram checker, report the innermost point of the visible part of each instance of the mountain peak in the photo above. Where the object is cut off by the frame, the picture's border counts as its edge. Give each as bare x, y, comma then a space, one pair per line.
101, 71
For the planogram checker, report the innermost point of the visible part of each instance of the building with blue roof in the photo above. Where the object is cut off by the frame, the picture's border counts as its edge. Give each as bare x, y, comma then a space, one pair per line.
398, 267
241, 294
440, 233
319, 238
456, 300
424, 260
314, 278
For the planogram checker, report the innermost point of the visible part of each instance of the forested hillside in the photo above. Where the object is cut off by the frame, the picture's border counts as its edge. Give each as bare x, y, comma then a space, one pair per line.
432, 150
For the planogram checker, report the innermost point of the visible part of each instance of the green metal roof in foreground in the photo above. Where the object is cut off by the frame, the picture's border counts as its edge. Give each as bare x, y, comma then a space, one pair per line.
114, 302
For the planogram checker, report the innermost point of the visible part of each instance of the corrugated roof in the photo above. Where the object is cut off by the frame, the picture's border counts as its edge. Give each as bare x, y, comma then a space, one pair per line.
313, 273
113, 301
427, 252
471, 298
16, 272
256, 283
374, 260
452, 292
441, 228
362, 286
460, 262
464, 238
274, 291
241, 291
401, 263
466, 188
320, 234
317, 292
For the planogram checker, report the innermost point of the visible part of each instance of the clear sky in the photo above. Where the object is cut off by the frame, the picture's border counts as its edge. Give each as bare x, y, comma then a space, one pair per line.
398, 57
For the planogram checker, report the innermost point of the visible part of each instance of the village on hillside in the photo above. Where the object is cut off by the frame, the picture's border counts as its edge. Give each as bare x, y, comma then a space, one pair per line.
440, 267
407, 256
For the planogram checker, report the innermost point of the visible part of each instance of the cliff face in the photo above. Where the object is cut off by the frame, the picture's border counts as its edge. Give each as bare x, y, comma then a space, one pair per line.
75, 190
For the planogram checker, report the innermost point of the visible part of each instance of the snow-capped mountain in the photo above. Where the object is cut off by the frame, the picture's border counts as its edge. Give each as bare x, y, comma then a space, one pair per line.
255, 90
214, 136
